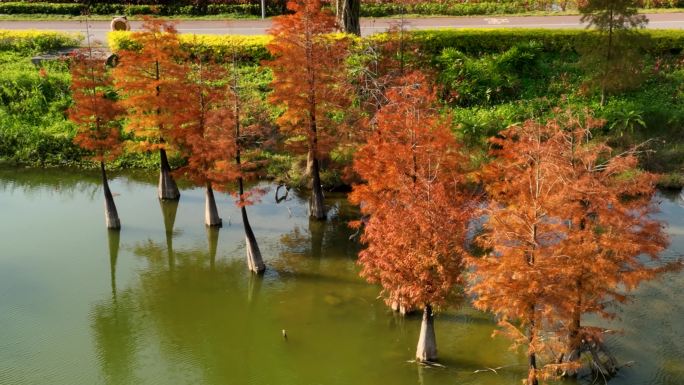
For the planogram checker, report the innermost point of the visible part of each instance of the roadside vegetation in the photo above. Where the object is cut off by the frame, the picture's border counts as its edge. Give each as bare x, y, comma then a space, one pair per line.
252, 9
488, 79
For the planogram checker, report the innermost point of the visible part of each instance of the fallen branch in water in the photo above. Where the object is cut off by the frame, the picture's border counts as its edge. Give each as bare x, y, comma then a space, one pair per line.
493, 370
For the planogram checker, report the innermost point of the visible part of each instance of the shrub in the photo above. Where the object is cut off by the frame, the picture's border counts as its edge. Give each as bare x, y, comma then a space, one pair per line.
34, 41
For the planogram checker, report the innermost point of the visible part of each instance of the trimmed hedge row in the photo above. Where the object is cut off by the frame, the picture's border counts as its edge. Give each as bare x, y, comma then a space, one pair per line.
221, 47
474, 41
74, 9
37, 41
431, 42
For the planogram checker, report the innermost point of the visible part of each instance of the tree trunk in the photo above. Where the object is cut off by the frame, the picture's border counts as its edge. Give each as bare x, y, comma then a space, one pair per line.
254, 260
348, 16
531, 357
317, 208
167, 186
427, 344
574, 348
211, 215
400, 308
111, 215
309, 166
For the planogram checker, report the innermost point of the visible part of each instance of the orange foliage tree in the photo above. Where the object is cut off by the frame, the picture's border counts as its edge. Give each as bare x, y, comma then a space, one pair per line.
151, 77
416, 204
567, 225
96, 112
308, 68
201, 135
612, 241
214, 139
518, 278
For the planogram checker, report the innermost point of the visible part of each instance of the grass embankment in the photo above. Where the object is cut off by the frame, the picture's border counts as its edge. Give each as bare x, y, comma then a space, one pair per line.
488, 78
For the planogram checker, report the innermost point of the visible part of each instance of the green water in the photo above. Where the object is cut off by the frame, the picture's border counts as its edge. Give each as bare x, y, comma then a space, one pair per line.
80, 305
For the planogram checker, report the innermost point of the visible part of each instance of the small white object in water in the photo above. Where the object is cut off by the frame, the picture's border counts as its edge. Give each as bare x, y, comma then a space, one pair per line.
284, 334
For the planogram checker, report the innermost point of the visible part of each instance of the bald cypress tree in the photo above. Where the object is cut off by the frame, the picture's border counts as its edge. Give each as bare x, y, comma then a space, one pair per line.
613, 65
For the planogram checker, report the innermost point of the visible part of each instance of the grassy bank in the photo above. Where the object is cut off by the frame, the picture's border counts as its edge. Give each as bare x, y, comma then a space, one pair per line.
488, 79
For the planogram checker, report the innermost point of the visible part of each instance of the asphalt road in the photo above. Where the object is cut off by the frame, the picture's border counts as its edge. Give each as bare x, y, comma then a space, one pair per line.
369, 26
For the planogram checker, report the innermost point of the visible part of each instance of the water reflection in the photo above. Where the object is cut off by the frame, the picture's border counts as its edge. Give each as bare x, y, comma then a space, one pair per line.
113, 240
113, 326
180, 306
212, 240
169, 209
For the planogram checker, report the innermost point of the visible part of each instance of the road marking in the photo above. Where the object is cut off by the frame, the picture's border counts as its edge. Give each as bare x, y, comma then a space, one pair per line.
496, 21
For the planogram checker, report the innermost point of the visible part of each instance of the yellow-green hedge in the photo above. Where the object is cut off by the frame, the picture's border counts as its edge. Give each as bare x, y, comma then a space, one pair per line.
431, 41
222, 47
37, 41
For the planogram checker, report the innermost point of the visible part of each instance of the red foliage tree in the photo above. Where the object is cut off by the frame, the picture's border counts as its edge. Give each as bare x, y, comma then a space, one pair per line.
567, 224
612, 240
416, 205
214, 140
151, 77
96, 112
308, 71
201, 135
518, 279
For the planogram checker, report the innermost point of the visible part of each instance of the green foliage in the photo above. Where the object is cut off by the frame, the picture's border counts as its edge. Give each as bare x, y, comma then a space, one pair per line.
33, 128
475, 41
104, 8
486, 79
40, 8
449, 8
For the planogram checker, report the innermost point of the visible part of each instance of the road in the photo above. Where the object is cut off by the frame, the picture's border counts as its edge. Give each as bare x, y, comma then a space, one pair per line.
369, 26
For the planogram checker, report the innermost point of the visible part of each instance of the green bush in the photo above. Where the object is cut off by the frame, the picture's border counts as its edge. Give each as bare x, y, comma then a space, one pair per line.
487, 79
40, 8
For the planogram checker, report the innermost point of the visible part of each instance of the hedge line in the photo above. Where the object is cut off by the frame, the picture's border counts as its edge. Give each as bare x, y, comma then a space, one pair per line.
221, 47
501, 39
432, 42
75, 9
454, 8
367, 10
37, 41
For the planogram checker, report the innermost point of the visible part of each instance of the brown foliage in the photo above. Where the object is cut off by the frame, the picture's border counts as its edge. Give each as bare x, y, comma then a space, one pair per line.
414, 199
151, 78
568, 226
95, 112
308, 75
213, 136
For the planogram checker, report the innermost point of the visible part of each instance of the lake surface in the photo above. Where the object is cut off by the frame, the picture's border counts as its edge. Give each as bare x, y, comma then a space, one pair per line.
82, 305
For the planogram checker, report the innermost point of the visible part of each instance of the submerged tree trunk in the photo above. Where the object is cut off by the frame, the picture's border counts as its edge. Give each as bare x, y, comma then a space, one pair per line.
348, 15
111, 215
427, 344
317, 207
254, 260
574, 348
211, 215
167, 186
